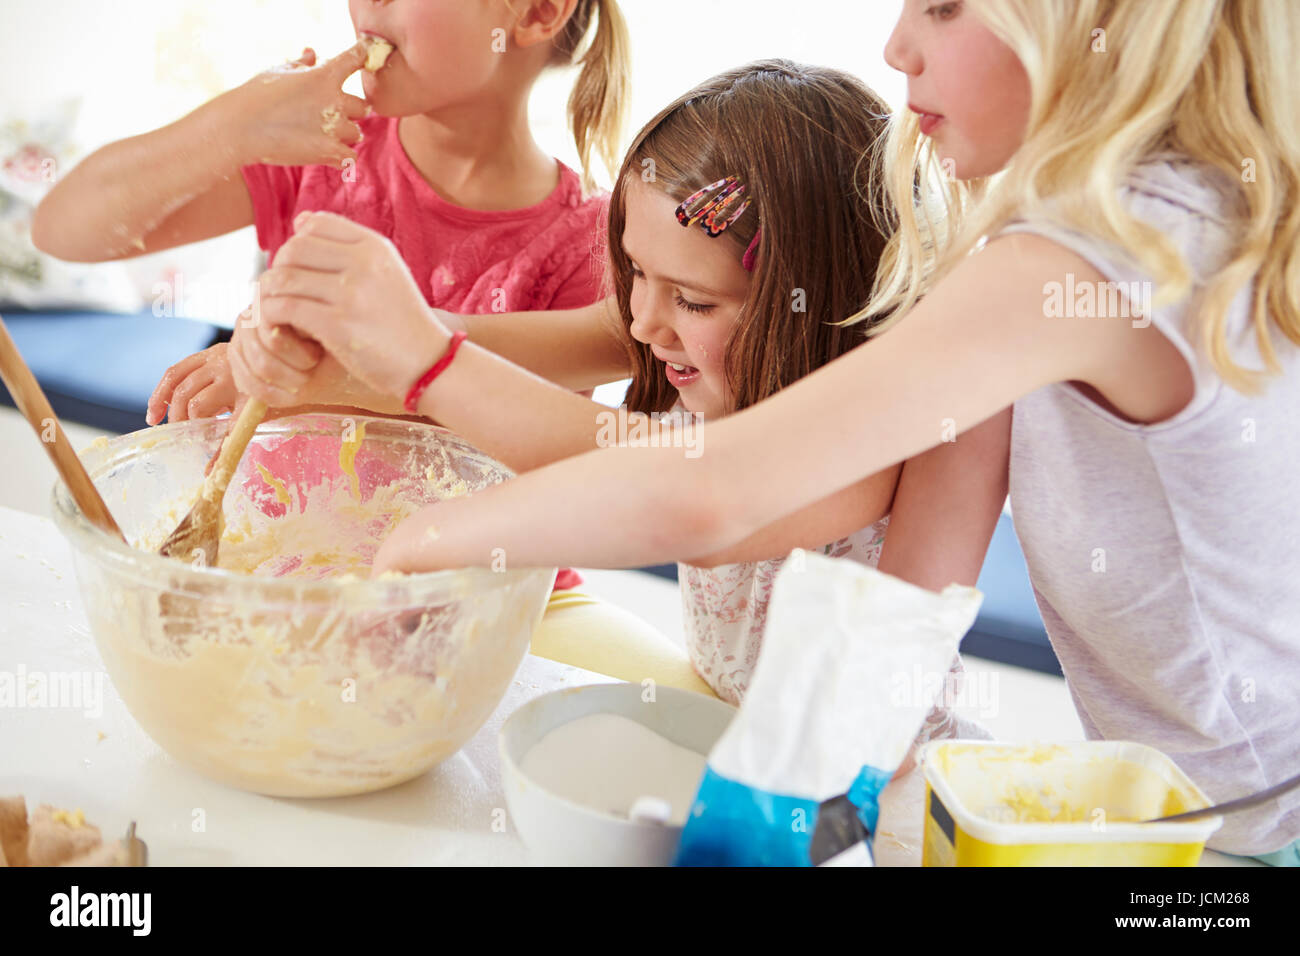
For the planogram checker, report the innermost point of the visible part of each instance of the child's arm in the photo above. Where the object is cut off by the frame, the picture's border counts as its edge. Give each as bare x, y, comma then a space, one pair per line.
512, 414
947, 507
181, 183
576, 348
527, 422
831, 519
977, 342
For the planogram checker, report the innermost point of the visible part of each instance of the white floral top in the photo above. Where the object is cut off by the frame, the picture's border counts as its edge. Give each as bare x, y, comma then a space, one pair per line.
725, 612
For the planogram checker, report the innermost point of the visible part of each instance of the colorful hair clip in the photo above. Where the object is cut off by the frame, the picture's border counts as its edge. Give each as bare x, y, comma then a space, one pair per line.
709, 205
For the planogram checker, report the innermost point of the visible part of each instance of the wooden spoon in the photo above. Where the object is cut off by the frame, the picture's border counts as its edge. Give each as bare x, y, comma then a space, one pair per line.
35, 407
200, 531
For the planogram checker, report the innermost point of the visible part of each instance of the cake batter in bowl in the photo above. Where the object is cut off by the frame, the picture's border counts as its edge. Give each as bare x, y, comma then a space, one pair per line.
287, 670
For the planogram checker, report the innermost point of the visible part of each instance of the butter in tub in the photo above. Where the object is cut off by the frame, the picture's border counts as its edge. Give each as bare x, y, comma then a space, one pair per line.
1058, 804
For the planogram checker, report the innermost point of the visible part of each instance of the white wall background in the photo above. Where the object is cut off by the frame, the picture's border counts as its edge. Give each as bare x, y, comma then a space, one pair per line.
135, 65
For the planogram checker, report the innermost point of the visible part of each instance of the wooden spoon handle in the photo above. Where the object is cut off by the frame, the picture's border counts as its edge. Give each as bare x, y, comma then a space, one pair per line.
35, 407
232, 449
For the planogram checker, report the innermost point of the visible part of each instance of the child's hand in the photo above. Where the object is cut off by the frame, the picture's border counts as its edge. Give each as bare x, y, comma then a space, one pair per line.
324, 383
199, 386
413, 546
345, 287
298, 115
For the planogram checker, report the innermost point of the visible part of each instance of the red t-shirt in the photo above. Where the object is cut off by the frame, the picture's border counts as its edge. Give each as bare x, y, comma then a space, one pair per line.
547, 256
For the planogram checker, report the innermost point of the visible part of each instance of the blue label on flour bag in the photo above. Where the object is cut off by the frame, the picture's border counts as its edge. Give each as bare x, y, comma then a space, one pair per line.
865, 795
732, 824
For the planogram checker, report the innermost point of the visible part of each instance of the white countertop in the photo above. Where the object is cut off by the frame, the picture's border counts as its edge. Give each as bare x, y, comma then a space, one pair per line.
106, 765
57, 756
451, 815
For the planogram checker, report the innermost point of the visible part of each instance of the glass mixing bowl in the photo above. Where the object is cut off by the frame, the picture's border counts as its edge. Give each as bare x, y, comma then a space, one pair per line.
307, 678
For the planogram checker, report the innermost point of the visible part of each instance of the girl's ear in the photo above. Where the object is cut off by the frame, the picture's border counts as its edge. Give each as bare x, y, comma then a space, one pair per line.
542, 21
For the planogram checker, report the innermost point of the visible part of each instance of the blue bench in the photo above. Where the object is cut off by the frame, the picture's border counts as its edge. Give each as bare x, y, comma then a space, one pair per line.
100, 369
1009, 627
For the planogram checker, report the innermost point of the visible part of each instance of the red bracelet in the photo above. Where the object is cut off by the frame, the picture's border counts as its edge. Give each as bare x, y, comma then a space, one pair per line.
440, 366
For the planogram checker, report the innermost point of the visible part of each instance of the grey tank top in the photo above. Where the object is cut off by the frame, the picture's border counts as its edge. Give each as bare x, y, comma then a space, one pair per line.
1165, 558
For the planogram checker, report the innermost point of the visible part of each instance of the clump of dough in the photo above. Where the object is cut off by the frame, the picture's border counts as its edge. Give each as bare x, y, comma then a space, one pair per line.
57, 836
53, 837
331, 117
378, 51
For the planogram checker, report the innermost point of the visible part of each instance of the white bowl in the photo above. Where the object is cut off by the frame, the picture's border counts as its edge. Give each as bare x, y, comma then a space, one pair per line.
560, 832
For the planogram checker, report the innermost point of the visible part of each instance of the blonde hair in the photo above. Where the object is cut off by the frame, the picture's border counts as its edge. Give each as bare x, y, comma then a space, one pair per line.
1209, 79
598, 103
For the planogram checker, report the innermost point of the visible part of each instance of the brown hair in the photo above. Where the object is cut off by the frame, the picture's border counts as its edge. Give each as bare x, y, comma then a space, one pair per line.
598, 103
795, 136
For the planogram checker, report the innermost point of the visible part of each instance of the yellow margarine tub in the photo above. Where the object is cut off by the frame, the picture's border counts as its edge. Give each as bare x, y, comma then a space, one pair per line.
1076, 804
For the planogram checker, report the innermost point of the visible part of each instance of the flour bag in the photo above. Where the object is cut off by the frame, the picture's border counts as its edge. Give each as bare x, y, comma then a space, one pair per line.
796, 777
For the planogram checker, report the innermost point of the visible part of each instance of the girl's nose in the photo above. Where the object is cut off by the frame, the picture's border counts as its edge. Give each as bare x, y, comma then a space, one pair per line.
651, 320
900, 53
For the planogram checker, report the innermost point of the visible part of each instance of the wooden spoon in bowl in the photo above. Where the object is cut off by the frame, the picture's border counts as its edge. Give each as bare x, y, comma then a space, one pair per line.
199, 532
35, 407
